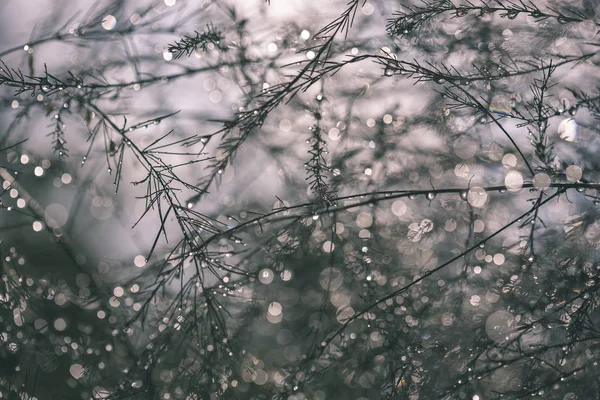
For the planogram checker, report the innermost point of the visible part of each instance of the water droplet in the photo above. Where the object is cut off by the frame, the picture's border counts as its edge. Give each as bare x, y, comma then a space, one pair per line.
536, 14
513, 181
574, 173
568, 130
463, 194
430, 196
541, 181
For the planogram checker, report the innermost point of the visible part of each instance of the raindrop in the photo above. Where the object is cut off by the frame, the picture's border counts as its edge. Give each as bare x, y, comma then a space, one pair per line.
500, 325
266, 276
573, 173
430, 196
477, 197
568, 130
77, 371
513, 181
399, 208
536, 14
109, 22
541, 181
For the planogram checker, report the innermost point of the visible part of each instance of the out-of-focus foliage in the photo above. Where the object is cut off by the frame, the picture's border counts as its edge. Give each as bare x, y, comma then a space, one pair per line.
355, 199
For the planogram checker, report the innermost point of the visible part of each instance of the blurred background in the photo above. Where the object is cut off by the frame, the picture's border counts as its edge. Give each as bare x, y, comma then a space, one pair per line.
136, 262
